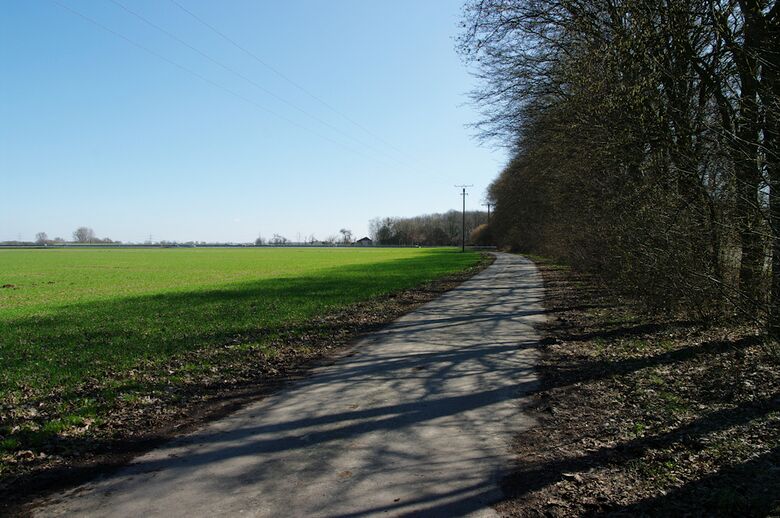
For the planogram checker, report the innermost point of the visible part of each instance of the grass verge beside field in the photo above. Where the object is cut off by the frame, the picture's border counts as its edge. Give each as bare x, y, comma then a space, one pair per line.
100, 346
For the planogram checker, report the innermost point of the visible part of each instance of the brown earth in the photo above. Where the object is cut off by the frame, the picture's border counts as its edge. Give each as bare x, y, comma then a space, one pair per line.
644, 414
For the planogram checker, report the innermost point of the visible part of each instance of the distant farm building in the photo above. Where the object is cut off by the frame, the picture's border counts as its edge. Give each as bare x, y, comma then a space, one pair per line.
364, 242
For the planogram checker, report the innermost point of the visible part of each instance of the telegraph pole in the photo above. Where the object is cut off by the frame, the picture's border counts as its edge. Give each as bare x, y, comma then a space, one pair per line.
488, 204
463, 219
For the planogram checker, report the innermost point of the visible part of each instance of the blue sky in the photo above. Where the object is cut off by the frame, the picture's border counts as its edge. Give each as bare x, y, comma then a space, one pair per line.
96, 131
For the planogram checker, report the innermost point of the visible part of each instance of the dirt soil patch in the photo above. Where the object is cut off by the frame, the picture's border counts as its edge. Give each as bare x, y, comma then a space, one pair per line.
194, 388
646, 415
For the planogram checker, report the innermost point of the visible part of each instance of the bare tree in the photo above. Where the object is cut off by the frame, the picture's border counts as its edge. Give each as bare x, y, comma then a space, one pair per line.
84, 235
260, 241
644, 139
442, 229
278, 239
346, 236
41, 238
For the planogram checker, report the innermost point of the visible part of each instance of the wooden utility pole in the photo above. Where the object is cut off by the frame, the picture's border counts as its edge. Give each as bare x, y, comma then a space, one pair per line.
463, 219
488, 204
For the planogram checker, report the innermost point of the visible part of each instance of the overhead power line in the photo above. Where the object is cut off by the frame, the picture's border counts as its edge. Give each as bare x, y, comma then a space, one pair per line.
284, 76
204, 78
250, 80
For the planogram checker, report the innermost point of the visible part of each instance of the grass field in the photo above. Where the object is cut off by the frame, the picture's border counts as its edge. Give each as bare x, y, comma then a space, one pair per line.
70, 317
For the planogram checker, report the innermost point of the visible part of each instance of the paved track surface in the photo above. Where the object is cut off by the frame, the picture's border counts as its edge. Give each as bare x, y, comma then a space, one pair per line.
416, 422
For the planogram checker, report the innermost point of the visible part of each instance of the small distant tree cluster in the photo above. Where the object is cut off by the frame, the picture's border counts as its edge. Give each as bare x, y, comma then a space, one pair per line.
87, 235
278, 239
346, 236
84, 235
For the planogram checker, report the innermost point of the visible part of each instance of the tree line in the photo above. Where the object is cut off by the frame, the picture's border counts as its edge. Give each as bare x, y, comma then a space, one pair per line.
644, 138
81, 235
441, 229
311, 239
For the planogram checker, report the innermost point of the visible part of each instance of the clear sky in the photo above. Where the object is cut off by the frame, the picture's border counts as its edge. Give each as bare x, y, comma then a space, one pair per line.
191, 138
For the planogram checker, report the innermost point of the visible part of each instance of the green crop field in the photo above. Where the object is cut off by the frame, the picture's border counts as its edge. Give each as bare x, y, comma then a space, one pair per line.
68, 317
64, 314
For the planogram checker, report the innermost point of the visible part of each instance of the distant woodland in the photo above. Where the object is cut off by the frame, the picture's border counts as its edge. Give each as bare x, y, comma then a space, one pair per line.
644, 139
442, 229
